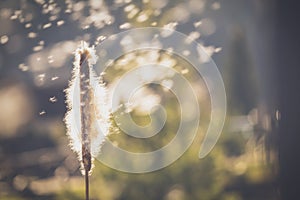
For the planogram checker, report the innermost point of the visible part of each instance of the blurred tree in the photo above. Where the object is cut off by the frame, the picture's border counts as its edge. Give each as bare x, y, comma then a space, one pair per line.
242, 82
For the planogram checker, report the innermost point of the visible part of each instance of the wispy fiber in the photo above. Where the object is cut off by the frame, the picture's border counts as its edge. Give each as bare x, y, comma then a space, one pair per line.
88, 116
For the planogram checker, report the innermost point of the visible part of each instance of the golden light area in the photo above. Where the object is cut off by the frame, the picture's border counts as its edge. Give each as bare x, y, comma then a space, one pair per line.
16, 109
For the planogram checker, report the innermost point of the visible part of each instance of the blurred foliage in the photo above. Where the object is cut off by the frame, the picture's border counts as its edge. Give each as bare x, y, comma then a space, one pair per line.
36, 161
234, 170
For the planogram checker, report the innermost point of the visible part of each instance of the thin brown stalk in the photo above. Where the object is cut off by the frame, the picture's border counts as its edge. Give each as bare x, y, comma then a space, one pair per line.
85, 109
87, 185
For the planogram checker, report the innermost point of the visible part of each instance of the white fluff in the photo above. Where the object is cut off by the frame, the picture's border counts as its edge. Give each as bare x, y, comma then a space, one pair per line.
100, 124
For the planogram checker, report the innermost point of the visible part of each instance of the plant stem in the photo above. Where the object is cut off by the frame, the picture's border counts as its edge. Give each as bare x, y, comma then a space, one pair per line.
85, 110
86, 185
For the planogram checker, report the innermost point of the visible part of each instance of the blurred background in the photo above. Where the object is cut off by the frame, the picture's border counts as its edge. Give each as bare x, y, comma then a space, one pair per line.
37, 39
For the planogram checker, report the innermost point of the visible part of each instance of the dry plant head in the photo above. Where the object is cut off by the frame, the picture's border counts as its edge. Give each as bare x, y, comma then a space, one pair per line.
88, 116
